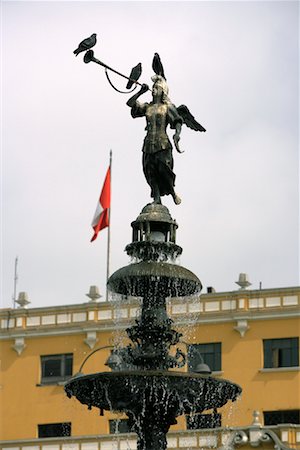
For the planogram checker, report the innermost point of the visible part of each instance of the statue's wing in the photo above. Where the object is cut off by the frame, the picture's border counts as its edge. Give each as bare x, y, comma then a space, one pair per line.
189, 119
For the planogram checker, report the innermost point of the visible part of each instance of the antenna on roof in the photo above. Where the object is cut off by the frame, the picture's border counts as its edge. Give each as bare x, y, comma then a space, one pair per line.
15, 282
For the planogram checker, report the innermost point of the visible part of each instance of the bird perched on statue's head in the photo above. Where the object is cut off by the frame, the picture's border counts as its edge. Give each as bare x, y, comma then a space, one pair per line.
86, 44
157, 66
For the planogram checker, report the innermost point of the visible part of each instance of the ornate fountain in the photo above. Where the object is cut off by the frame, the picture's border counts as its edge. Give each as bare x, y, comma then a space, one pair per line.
148, 391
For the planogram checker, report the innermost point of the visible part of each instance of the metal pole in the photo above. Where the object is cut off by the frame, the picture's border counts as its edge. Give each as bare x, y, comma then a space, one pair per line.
15, 283
108, 232
90, 354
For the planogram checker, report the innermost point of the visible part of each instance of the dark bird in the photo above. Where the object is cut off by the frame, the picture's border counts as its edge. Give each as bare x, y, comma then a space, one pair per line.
135, 74
157, 66
86, 44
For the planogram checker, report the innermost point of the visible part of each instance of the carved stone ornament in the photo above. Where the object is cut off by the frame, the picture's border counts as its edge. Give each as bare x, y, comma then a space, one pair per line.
19, 345
91, 339
242, 327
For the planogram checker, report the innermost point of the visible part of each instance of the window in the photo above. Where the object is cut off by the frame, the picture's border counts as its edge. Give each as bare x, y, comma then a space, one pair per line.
210, 354
281, 352
54, 430
276, 417
203, 421
119, 426
56, 368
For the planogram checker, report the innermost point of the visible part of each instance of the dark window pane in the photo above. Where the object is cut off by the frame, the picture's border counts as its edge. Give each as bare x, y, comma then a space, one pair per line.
294, 352
286, 416
69, 365
119, 426
54, 430
281, 352
268, 353
52, 368
209, 354
56, 368
284, 359
209, 359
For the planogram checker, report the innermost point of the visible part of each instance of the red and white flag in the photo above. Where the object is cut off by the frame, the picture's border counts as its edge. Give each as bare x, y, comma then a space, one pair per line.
101, 216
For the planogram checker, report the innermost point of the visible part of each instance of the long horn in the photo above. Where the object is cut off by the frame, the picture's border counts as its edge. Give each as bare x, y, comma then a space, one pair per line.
89, 56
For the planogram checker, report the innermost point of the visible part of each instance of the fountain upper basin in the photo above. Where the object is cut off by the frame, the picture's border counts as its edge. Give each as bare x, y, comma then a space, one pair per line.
139, 279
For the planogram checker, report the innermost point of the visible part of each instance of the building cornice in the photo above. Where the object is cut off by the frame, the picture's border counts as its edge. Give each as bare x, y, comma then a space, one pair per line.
91, 306
238, 306
253, 292
98, 327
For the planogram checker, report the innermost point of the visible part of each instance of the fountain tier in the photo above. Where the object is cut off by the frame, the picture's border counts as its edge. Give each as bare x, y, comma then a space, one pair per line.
126, 391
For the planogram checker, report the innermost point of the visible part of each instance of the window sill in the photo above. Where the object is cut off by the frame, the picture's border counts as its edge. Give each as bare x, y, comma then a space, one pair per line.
280, 369
53, 383
217, 373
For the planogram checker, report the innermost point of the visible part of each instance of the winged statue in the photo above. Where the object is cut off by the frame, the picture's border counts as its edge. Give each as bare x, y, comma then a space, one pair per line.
159, 113
157, 149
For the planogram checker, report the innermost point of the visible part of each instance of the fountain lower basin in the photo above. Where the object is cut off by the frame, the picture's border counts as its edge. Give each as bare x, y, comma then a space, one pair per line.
178, 392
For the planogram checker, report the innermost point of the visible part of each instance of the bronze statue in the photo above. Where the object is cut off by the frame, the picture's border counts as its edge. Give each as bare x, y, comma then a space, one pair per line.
157, 148
159, 113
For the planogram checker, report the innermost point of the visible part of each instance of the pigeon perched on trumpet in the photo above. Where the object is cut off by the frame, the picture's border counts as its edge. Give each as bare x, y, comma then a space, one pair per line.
86, 44
135, 74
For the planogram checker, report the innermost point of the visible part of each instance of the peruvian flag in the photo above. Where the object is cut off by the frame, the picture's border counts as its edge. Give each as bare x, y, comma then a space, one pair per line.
101, 216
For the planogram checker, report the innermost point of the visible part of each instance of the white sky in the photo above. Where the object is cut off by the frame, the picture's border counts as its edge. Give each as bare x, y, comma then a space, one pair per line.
234, 64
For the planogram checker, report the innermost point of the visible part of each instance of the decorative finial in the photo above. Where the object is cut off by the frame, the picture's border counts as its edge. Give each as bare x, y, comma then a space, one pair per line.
243, 281
23, 300
93, 293
256, 416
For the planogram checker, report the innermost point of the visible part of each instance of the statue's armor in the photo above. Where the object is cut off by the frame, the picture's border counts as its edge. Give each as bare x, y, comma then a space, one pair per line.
157, 121
157, 148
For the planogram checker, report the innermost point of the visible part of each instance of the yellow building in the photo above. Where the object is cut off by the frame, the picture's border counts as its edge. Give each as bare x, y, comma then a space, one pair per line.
250, 337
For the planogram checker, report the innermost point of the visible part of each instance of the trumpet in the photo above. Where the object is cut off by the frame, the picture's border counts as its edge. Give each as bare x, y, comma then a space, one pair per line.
89, 56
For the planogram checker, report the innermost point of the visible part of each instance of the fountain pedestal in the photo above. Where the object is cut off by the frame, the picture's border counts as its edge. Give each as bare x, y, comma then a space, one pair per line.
150, 394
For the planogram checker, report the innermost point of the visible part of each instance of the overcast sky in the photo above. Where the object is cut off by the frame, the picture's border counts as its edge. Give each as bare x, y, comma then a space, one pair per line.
234, 64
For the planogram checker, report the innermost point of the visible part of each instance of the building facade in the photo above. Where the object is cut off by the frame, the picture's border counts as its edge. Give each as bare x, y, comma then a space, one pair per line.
250, 337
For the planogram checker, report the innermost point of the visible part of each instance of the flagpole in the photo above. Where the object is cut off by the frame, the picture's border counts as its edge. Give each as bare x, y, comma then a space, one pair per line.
108, 231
